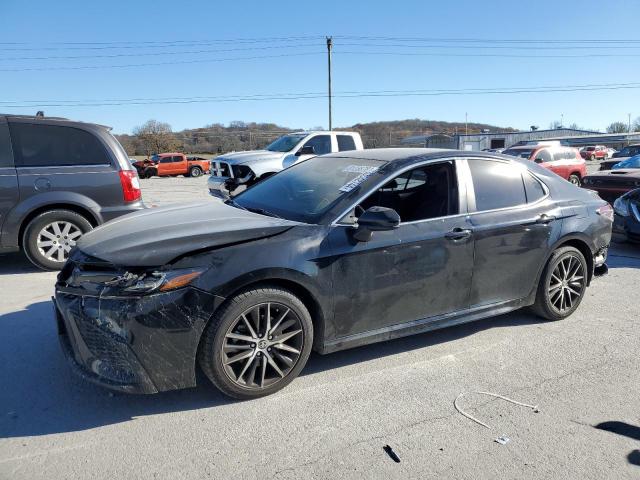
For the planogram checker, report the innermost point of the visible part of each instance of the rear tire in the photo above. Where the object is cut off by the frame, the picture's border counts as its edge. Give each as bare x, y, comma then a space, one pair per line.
195, 172
50, 236
562, 285
592, 157
271, 363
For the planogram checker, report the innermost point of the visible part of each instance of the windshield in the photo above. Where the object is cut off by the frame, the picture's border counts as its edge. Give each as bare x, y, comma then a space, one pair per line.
306, 191
590, 149
519, 152
286, 142
633, 162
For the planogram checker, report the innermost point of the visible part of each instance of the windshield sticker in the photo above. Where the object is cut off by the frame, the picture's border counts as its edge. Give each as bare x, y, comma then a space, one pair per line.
359, 169
352, 184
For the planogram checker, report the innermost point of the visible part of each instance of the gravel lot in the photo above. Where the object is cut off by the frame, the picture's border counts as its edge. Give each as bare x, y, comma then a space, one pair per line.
334, 421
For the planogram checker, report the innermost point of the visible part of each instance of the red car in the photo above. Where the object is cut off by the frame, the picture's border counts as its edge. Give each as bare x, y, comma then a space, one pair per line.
597, 152
564, 161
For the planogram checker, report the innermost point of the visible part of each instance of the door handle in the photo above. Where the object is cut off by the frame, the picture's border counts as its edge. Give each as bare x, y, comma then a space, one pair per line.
545, 219
458, 234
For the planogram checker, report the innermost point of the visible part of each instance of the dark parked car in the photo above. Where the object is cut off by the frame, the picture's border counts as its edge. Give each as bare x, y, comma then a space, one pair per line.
626, 224
612, 184
58, 180
337, 251
617, 157
628, 151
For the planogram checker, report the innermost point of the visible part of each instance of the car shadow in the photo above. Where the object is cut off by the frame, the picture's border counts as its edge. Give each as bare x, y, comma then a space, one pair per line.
12, 263
623, 255
44, 397
626, 430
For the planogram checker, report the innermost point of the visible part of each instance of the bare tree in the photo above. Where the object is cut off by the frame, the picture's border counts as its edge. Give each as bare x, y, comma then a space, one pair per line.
155, 137
617, 127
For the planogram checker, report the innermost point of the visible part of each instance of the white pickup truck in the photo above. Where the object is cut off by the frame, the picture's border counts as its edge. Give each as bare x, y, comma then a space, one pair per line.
231, 170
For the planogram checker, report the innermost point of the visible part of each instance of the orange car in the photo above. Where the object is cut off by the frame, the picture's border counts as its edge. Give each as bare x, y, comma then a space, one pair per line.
172, 164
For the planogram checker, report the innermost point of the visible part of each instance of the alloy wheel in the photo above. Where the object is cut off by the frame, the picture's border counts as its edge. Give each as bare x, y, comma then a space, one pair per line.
56, 240
262, 345
567, 283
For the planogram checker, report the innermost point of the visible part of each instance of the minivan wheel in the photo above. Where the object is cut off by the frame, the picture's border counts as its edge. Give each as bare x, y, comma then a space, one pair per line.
575, 179
195, 172
257, 343
562, 285
50, 236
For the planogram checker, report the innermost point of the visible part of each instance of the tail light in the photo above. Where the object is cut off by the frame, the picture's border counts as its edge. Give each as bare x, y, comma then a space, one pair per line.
606, 211
130, 185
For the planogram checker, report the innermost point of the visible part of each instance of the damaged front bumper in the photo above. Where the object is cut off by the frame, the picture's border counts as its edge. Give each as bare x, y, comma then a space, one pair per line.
133, 344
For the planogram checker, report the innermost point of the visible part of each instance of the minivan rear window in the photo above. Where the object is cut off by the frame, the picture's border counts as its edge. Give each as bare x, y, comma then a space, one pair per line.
54, 146
6, 157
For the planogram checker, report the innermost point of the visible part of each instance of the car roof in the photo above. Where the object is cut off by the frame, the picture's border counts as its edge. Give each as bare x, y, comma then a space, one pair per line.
51, 120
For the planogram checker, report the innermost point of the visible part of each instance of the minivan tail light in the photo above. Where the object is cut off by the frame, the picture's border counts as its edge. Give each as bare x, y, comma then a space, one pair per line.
130, 185
606, 211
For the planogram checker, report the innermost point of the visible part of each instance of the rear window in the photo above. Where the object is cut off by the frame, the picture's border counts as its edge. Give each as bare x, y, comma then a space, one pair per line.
496, 185
55, 146
533, 187
345, 142
519, 152
6, 157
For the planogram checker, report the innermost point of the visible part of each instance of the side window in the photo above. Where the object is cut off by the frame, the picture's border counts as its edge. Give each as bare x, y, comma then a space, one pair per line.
6, 156
177, 159
533, 188
558, 155
542, 156
430, 191
496, 185
345, 142
166, 159
320, 143
52, 146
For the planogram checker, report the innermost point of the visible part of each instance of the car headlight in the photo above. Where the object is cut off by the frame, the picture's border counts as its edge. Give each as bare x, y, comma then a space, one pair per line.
621, 207
159, 281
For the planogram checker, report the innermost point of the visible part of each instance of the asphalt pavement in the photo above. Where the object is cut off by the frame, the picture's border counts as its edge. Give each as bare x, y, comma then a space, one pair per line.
336, 418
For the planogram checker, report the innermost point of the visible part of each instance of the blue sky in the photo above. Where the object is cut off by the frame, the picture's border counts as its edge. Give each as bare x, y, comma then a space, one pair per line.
53, 29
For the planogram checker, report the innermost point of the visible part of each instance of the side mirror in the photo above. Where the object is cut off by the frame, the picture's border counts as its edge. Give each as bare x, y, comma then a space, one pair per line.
306, 150
375, 219
538, 160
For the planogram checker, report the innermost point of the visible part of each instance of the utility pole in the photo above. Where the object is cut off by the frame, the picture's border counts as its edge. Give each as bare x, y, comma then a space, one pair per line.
561, 120
329, 46
466, 125
629, 122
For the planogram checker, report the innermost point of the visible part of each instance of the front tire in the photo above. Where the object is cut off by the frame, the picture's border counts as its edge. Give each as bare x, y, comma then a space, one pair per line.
562, 285
257, 343
195, 172
50, 236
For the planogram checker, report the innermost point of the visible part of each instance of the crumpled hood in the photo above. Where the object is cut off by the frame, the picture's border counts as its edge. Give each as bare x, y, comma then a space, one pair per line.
242, 158
156, 236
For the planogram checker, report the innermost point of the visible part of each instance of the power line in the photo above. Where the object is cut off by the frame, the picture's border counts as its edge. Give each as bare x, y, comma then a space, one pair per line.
491, 40
380, 93
319, 94
150, 54
298, 45
496, 55
130, 65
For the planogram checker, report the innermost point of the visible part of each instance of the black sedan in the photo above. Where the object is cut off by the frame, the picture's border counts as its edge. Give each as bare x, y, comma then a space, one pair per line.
338, 251
626, 225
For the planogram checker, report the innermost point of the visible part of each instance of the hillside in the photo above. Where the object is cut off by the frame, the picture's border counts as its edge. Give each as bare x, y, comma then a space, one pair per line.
218, 138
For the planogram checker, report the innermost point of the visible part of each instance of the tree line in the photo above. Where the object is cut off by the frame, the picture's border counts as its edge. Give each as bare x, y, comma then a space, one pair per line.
155, 136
